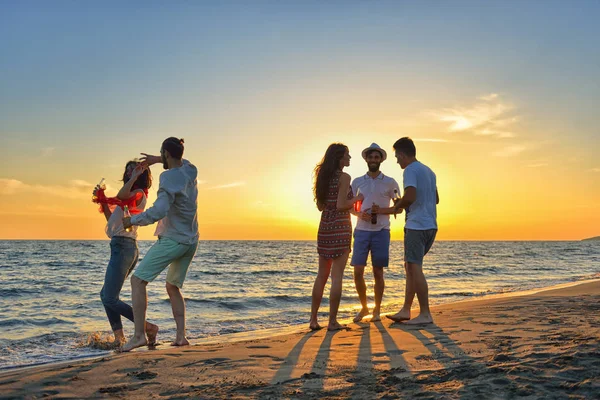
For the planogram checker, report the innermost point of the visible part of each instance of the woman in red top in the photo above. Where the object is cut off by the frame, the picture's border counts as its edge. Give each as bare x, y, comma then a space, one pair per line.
334, 198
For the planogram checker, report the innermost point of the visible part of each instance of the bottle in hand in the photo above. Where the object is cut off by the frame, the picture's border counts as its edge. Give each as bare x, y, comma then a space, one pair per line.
358, 204
127, 214
99, 186
373, 215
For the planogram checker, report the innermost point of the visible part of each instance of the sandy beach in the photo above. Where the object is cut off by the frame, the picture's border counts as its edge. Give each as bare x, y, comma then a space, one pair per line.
542, 345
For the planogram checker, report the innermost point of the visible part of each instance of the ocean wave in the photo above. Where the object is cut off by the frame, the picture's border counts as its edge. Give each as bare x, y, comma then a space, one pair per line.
17, 292
476, 271
34, 322
246, 303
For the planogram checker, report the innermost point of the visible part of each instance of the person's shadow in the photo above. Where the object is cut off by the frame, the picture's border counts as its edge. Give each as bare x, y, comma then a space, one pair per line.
284, 373
314, 381
457, 365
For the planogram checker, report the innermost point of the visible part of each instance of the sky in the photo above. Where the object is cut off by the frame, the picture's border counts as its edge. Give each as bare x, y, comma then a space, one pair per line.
501, 99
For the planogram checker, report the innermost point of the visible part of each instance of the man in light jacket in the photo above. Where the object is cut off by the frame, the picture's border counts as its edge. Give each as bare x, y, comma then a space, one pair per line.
175, 209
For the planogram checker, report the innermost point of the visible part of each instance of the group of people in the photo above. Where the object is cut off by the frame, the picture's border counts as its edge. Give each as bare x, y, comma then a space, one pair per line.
175, 209
176, 212
372, 198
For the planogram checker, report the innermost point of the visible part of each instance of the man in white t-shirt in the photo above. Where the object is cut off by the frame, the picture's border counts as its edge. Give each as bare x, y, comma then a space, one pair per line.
372, 232
419, 202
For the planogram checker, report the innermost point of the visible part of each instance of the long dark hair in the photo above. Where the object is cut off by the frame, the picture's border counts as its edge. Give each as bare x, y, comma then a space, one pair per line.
325, 170
144, 181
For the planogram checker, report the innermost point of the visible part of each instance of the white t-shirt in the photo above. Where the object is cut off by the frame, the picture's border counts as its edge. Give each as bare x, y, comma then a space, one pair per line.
378, 190
114, 225
422, 214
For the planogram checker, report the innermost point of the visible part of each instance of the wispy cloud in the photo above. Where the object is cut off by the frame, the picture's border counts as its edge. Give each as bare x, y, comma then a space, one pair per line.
73, 190
10, 186
595, 169
434, 140
48, 151
510, 151
229, 185
488, 116
537, 165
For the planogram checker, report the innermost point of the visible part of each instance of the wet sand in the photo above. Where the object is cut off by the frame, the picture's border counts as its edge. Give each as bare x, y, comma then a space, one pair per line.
542, 345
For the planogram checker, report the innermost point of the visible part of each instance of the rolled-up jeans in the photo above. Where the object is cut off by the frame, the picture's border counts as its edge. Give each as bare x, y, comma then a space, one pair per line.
123, 258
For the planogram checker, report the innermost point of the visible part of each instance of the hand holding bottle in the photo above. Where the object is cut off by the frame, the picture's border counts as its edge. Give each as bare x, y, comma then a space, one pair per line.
358, 199
374, 210
100, 186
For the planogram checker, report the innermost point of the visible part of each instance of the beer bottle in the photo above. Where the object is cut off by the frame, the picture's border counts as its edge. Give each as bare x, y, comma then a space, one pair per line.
396, 200
100, 186
373, 215
127, 214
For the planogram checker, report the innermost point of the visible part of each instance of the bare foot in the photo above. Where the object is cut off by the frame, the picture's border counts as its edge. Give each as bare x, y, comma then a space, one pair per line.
181, 342
314, 326
421, 319
133, 343
151, 332
376, 317
336, 326
119, 338
361, 314
401, 315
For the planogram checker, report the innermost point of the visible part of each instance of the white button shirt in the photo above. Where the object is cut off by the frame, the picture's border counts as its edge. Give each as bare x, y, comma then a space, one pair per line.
378, 190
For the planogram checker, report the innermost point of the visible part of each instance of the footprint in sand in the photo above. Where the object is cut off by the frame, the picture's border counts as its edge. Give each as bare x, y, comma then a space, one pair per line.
143, 375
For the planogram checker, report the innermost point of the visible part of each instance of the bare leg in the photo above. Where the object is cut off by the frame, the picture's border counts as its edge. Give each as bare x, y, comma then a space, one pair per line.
379, 288
178, 307
139, 301
335, 295
119, 337
151, 332
409, 295
318, 288
361, 289
422, 290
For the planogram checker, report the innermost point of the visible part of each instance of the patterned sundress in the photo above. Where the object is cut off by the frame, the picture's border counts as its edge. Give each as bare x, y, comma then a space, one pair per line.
335, 229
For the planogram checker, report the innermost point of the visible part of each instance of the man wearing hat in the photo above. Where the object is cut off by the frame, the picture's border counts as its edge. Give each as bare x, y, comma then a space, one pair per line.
372, 232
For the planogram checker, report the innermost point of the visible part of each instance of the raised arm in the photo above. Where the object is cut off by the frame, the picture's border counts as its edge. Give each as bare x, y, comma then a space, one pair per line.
125, 193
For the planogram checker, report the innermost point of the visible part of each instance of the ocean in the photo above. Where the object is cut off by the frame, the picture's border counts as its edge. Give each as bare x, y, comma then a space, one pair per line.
50, 305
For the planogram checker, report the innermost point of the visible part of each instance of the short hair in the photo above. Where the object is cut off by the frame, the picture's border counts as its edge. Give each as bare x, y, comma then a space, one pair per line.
174, 146
407, 146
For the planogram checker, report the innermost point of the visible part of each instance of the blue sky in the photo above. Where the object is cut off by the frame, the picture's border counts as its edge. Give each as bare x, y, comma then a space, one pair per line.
84, 86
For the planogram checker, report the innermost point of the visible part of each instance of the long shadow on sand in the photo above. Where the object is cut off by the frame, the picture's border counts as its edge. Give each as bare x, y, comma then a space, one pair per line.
284, 373
460, 374
314, 381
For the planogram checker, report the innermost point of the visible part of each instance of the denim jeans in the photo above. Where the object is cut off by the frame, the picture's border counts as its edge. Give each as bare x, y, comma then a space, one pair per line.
123, 258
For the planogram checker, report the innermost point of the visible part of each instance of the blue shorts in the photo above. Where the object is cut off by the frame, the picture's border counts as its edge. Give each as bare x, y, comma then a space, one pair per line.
378, 243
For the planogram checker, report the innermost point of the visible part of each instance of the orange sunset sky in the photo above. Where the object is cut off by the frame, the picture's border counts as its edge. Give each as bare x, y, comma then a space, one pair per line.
501, 102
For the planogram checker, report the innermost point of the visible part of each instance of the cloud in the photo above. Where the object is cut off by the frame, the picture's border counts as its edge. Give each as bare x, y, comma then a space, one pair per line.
489, 97
595, 169
229, 185
48, 151
434, 140
10, 186
73, 190
488, 116
537, 165
510, 151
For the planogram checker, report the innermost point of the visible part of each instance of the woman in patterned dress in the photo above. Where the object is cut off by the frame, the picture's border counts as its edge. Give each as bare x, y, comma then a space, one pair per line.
334, 198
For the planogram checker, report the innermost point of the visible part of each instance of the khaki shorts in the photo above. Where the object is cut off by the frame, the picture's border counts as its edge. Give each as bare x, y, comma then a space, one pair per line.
167, 253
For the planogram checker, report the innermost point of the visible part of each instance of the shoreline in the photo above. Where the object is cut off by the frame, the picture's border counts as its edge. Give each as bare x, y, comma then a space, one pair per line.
542, 345
272, 333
